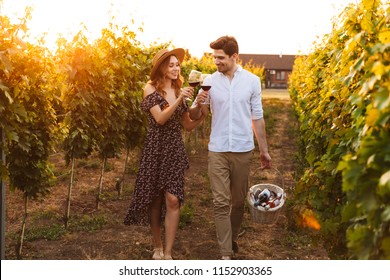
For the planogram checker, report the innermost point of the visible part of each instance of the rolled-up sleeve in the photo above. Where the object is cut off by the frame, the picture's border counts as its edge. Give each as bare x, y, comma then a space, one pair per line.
256, 104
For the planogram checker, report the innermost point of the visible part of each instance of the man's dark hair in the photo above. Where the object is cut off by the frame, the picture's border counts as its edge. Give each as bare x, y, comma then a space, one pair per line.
226, 43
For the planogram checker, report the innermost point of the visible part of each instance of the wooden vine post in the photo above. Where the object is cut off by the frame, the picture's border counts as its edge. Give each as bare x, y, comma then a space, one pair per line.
3, 195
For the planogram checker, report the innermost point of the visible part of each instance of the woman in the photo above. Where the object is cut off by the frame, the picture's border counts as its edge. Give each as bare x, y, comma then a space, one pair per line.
159, 189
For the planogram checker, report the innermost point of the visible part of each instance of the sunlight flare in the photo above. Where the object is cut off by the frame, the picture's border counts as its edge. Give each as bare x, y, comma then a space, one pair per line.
308, 219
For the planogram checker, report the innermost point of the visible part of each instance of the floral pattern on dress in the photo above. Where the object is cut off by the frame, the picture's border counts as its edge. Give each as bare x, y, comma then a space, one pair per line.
162, 164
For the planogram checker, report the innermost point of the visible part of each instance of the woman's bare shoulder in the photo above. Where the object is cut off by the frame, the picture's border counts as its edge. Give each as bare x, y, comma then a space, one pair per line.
148, 89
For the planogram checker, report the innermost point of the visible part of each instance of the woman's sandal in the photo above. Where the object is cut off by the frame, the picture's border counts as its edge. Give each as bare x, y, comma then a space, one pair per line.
158, 254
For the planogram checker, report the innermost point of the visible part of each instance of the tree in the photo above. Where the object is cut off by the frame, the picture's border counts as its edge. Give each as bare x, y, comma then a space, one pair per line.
29, 118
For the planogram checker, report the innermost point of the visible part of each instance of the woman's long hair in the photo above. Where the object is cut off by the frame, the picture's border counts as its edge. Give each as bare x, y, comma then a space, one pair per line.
159, 78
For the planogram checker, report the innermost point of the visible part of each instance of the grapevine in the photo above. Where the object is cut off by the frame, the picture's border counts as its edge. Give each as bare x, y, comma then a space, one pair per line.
341, 96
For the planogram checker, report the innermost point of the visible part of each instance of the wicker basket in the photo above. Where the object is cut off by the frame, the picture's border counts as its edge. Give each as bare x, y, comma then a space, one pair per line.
261, 215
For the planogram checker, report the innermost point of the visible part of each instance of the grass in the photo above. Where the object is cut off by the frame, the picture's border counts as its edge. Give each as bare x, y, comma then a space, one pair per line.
52, 228
52, 232
270, 113
186, 214
87, 223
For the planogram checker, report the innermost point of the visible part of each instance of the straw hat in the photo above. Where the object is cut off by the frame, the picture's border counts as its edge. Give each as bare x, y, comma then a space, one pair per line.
164, 53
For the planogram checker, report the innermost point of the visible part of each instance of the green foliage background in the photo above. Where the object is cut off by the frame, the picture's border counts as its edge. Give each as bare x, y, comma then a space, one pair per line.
341, 94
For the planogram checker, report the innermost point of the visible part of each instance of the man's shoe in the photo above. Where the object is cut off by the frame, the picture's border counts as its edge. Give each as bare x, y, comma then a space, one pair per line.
235, 248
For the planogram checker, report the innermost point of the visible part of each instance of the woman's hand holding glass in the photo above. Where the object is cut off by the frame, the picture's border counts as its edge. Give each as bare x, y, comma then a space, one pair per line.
187, 93
193, 81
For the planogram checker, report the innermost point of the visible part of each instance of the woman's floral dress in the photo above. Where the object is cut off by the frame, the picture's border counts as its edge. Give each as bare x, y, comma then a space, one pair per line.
162, 164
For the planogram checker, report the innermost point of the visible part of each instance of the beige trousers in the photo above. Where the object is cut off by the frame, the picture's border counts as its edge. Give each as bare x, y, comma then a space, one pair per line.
228, 174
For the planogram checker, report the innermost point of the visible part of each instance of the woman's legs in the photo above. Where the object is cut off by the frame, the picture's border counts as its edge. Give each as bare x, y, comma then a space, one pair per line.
171, 222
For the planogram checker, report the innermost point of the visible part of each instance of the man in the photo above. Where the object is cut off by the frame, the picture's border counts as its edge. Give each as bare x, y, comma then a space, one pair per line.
235, 102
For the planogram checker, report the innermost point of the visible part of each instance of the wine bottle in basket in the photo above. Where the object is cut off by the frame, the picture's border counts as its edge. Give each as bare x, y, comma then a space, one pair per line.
263, 197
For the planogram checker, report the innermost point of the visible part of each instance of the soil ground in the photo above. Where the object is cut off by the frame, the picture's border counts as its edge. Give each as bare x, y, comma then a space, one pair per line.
100, 234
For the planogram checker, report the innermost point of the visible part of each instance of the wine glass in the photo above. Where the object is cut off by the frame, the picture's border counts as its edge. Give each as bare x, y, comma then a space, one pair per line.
206, 86
193, 80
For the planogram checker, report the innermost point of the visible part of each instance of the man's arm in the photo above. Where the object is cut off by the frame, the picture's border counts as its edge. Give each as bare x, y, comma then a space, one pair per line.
261, 137
197, 109
195, 112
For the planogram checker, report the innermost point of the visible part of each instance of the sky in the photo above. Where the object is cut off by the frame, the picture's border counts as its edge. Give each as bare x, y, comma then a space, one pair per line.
260, 26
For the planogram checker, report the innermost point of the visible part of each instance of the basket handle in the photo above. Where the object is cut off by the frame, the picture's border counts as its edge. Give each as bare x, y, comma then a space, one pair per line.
277, 171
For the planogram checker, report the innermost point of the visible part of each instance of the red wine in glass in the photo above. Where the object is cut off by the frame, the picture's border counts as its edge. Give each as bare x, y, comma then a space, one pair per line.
194, 84
206, 87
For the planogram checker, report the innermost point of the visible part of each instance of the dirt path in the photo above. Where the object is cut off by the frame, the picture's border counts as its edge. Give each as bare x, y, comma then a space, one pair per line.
101, 234
276, 93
